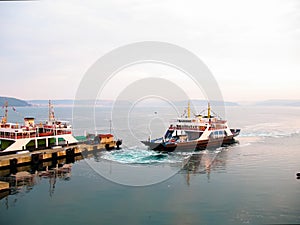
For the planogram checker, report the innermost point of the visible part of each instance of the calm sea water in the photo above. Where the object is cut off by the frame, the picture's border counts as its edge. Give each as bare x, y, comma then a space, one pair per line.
253, 182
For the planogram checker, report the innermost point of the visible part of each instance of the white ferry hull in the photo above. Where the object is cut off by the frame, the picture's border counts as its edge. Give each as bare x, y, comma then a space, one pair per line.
190, 146
194, 134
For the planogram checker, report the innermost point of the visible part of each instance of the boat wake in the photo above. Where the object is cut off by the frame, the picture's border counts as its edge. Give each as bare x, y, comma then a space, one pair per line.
268, 133
137, 155
273, 130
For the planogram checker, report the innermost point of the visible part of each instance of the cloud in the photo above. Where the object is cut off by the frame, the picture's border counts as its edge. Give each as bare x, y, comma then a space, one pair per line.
44, 40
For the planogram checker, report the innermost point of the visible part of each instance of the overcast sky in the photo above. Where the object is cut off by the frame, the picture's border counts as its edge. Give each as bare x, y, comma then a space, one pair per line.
251, 47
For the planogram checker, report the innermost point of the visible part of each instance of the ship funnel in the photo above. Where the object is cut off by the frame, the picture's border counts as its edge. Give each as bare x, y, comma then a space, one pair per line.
189, 110
208, 111
29, 121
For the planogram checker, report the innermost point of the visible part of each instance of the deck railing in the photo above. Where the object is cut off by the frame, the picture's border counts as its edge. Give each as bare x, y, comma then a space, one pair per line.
31, 135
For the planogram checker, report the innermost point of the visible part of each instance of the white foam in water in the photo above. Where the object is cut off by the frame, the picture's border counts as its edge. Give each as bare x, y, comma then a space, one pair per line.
264, 133
244, 145
119, 165
275, 130
212, 151
138, 155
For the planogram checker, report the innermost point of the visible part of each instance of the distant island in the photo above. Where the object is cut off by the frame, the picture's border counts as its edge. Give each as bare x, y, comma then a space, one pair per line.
278, 102
195, 102
70, 102
109, 103
54, 102
13, 102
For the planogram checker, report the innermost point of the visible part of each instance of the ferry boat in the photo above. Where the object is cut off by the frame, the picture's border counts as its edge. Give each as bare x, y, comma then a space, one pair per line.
33, 136
192, 134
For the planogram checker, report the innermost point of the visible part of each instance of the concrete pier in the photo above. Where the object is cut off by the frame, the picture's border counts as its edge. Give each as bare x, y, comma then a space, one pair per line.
4, 186
36, 157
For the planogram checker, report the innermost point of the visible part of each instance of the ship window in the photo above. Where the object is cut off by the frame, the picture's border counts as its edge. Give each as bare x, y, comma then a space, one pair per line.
194, 135
169, 134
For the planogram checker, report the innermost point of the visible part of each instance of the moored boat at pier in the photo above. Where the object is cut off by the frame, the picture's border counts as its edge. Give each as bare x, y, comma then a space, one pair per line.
31, 136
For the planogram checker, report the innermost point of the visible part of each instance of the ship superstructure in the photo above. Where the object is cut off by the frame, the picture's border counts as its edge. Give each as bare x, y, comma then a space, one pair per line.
32, 136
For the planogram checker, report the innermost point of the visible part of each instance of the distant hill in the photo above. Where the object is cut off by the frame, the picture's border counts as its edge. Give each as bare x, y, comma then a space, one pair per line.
13, 102
70, 102
278, 102
204, 103
54, 102
109, 103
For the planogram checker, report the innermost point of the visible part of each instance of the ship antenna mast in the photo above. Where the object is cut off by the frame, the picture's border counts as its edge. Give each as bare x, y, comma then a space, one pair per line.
208, 111
49, 109
4, 119
189, 110
51, 112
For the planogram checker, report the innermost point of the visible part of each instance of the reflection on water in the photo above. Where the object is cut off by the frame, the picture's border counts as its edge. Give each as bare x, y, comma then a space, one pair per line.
253, 182
129, 166
22, 179
204, 162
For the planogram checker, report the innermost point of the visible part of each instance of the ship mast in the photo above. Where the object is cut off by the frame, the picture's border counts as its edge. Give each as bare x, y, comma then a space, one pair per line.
51, 113
49, 110
189, 110
208, 111
4, 119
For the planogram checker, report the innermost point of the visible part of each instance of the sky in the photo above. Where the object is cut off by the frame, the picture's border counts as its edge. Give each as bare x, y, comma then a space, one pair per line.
251, 47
